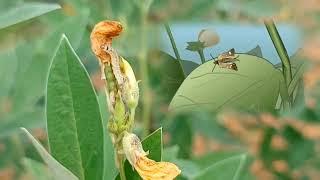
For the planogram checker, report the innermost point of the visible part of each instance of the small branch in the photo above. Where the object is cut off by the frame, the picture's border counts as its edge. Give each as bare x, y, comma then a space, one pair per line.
174, 46
281, 50
203, 60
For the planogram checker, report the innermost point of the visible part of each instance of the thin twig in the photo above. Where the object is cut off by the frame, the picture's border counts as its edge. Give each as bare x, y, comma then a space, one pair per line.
174, 46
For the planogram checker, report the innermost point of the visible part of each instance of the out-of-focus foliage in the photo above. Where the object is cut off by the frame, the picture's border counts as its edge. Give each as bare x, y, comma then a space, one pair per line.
282, 146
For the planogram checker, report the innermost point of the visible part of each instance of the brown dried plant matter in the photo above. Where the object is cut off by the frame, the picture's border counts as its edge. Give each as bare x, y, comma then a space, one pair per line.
101, 37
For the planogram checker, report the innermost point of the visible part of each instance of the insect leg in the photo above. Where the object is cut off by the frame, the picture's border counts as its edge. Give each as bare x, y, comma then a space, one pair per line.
213, 67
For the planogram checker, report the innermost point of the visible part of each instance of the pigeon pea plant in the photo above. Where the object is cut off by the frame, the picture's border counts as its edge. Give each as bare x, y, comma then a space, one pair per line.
74, 124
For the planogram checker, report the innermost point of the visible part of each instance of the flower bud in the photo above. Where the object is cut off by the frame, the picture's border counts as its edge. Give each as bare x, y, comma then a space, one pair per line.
130, 88
208, 37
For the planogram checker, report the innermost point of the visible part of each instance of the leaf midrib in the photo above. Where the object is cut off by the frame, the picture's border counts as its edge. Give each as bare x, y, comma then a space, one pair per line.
73, 112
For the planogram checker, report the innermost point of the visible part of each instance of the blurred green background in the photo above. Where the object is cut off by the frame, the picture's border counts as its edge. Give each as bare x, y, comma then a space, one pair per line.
281, 144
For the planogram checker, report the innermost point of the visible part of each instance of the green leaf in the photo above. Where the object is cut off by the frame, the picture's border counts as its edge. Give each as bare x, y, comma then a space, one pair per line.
57, 170
255, 51
37, 170
153, 144
195, 46
254, 87
74, 122
230, 168
25, 12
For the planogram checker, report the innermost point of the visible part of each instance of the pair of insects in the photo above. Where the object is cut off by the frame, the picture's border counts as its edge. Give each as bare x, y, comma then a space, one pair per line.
226, 60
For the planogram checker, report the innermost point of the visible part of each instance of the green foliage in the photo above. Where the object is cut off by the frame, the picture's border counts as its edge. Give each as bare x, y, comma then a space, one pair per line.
181, 134
32, 60
230, 168
57, 170
73, 117
25, 12
78, 137
165, 75
254, 89
36, 169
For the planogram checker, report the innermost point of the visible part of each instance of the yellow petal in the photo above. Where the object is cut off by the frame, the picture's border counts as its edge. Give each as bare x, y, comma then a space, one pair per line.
151, 170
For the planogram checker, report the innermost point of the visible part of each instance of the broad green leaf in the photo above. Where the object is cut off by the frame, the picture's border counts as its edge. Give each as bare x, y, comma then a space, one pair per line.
153, 144
37, 170
254, 87
230, 168
25, 12
57, 170
255, 51
74, 124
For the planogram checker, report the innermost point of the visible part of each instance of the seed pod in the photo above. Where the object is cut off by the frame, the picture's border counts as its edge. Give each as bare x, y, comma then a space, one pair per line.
130, 92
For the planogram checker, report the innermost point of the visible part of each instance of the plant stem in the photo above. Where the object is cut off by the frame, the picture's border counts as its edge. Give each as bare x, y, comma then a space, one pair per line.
281, 50
131, 118
120, 162
174, 46
146, 101
203, 60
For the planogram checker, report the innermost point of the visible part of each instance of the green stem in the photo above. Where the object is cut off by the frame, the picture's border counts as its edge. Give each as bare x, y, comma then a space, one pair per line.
203, 60
174, 46
120, 159
146, 101
281, 50
131, 118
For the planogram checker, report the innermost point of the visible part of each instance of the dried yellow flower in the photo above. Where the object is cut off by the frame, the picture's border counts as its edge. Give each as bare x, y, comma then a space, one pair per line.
147, 168
101, 37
